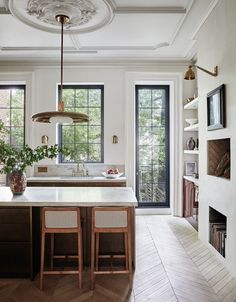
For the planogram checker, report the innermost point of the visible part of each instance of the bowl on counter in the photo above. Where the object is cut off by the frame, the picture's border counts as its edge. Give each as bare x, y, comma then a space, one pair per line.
117, 175
191, 121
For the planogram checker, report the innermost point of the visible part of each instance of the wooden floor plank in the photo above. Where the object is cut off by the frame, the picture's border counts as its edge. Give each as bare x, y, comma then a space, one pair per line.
171, 265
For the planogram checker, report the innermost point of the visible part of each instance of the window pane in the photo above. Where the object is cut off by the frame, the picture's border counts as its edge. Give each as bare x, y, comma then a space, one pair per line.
17, 98
68, 134
5, 116
158, 98
17, 136
94, 152
94, 134
95, 98
145, 98
94, 116
17, 117
145, 117
68, 98
4, 98
81, 98
81, 134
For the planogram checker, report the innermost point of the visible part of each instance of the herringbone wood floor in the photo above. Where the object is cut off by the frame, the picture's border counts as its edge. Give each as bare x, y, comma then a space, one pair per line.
172, 265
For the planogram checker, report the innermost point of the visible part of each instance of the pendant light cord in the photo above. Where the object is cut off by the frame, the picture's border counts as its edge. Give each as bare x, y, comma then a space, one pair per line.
61, 104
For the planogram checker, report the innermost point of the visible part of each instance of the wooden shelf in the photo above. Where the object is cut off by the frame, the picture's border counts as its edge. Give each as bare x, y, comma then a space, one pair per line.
192, 127
191, 151
192, 105
192, 179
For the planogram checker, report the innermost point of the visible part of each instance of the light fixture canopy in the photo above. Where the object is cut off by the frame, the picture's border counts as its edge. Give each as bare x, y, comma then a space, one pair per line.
60, 116
190, 75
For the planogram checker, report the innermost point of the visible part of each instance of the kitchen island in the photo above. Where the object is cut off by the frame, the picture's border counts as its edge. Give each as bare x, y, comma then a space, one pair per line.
20, 223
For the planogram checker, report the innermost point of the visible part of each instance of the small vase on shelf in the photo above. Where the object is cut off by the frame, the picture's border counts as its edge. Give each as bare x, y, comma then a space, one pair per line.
190, 144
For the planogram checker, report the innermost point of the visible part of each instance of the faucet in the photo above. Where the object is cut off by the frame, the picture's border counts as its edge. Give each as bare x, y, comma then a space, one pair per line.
80, 169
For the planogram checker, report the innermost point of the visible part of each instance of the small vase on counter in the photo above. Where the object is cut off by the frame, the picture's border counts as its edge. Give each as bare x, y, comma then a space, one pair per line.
190, 144
17, 182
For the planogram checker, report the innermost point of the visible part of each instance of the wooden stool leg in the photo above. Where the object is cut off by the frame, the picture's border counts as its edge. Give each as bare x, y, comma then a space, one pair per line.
97, 250
92, 260
42, 260
52, 250
126, 251
80, 259
130, 259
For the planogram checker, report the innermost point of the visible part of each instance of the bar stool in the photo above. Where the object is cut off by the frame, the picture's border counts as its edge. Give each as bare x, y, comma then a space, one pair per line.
60, 220
110, 220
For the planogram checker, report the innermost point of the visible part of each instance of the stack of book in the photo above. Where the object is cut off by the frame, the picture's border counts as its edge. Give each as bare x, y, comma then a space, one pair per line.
218, 236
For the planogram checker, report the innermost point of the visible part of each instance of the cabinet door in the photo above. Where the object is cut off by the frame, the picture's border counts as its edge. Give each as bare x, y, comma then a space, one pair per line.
15, 242
189, 197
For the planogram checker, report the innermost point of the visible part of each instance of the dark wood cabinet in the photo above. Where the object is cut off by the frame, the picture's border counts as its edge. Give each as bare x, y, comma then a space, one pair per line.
77, 184
16, 241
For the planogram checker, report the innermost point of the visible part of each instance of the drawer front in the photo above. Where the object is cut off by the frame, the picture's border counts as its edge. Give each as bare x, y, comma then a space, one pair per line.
14, 259
14, 215
14, 232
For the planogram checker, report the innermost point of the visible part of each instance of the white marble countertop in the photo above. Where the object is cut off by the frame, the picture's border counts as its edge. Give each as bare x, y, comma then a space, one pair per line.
74, 179
69, 196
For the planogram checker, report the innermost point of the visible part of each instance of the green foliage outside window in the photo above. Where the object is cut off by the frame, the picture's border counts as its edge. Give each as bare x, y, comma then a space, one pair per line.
85, 140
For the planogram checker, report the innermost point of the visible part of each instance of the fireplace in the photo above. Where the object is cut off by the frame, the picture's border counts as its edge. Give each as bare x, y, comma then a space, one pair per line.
219, 157
217, 230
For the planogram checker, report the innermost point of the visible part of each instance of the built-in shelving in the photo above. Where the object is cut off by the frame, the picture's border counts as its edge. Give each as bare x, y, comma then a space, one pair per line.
192, 179
193, 127
192, 105
191, 151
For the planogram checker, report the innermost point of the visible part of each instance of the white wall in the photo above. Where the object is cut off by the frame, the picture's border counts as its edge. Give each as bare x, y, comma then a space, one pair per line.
119, 81
217, 46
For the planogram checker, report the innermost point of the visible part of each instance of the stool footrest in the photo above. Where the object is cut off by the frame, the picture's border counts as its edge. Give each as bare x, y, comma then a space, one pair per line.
65, 257
111, 256
111, 272
60, 272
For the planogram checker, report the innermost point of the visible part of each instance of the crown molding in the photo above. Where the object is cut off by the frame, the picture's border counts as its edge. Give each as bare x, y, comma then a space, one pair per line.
149, 10
203, 19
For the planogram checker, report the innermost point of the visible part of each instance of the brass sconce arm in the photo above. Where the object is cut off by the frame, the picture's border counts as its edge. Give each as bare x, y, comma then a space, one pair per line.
214, 74
190, 75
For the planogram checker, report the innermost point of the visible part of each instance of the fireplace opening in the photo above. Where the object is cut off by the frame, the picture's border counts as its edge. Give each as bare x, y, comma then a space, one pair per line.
219, 157
217, 230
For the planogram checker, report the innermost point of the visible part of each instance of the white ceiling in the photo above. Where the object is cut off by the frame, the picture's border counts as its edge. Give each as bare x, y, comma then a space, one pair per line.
139, 30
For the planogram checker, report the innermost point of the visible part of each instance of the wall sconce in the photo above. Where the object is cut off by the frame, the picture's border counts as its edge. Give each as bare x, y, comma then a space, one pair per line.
190, 75
44, 139
114, 139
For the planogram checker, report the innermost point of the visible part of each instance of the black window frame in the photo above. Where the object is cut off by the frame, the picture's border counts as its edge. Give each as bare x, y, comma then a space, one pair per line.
81, 86
167, 146
11, 87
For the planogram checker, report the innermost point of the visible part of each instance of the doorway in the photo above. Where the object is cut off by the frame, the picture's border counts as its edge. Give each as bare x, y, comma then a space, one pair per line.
152, 145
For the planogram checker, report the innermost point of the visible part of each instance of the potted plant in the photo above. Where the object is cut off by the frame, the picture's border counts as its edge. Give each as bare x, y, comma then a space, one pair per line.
14, 161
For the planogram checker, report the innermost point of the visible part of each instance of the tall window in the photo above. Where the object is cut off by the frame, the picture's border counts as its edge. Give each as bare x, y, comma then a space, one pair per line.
84, 140
12, 112
152, 145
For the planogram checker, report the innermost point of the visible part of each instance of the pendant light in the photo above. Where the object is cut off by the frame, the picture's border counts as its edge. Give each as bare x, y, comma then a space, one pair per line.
60, 116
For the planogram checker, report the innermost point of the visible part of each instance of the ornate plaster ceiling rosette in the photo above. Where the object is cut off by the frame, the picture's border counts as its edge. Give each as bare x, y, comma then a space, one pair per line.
85, 15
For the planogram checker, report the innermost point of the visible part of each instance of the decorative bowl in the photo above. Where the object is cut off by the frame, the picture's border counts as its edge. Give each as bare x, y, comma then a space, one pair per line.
191, 121
112, 175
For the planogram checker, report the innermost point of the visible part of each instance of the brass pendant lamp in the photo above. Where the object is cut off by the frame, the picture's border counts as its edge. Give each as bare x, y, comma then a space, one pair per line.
60, 116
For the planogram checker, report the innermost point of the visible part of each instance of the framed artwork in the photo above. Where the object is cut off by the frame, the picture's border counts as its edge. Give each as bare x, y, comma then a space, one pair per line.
190, 168
216, 108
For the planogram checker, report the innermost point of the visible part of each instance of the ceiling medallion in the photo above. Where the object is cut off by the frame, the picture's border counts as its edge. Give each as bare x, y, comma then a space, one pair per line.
85, 15
79, 11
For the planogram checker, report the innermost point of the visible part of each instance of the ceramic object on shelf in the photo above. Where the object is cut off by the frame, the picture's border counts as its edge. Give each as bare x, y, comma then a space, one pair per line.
191, 143
191, 121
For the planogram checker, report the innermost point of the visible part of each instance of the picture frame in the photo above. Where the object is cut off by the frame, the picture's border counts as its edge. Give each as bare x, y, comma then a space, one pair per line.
190, 168
216, 108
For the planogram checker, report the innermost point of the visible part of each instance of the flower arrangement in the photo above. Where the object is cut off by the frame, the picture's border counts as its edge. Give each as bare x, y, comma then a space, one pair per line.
17, 160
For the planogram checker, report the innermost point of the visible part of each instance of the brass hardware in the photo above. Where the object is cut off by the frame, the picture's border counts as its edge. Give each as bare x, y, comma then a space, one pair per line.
114, 139
44, 139
190, 75
42, 169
